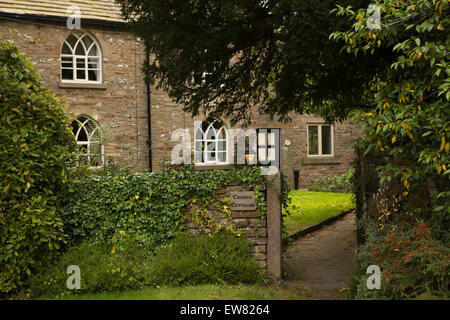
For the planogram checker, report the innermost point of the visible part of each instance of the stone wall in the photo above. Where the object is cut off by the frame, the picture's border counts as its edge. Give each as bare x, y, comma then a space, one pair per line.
247, 223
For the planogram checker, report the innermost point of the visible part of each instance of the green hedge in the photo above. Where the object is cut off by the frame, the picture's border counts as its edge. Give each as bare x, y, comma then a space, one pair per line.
35, 142
148, 207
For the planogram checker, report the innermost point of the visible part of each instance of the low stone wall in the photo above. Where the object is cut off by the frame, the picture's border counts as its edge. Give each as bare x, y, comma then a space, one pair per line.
252, 224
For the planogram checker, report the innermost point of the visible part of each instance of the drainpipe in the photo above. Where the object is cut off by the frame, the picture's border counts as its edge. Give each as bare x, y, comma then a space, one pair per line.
149, 114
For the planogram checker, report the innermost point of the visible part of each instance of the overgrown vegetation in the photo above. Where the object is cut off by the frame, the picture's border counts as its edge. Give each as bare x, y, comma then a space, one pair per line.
222, 258
404, 183
342, 183
35, 143
219, 259
102, 270
412, 262
150, 207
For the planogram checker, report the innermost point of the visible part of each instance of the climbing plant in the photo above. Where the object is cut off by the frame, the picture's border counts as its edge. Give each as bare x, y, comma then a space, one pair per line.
153, 207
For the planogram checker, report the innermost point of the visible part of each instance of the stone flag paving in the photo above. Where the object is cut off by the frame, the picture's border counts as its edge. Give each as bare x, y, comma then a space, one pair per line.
322, 261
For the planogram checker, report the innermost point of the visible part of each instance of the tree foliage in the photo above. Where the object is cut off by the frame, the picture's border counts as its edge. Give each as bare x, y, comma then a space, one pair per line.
222, 57
411, 115
35, 141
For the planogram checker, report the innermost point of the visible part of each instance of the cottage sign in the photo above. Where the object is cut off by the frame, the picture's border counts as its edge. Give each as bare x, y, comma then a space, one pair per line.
243, 201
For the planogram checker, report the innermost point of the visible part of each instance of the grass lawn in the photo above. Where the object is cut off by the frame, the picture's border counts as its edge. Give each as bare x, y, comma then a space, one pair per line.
309, 208
202, 292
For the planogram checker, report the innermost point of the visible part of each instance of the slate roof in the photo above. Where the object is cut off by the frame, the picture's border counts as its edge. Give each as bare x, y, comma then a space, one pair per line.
100, 10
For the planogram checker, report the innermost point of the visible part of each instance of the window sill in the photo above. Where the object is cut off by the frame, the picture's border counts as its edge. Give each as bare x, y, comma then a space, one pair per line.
95, 86
320, 160
202, 167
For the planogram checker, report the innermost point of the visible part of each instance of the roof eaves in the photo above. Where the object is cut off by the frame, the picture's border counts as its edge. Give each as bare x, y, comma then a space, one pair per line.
55, 18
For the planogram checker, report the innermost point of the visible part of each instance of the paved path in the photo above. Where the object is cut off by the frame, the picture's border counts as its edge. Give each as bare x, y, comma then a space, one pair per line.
323, 260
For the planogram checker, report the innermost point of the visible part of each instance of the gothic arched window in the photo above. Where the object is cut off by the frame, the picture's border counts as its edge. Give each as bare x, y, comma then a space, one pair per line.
88, 135
81, 59
211, 144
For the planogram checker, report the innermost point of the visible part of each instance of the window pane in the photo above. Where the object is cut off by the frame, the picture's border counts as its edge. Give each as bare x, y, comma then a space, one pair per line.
271, 138
211, 146
222, 157
81, 63
83, 136
93, 63
222, 145
80, 50
93, 75
326, 140
67, 62
81, 75
93, 52
87, 41
313, 142
211, 134
262, 139
262, 154
271, 154
199, 134
75, 126
211, 156
221, 134
66, 49
92, 128
67, 74
72, 40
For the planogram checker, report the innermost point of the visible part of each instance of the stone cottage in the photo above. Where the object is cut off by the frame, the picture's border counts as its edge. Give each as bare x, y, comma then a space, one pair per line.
86, 55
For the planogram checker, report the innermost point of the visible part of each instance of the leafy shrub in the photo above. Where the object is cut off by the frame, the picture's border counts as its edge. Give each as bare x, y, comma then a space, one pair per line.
205, 259
412, 263
187, 260
35, 142
150, 207
342, 183
102, 270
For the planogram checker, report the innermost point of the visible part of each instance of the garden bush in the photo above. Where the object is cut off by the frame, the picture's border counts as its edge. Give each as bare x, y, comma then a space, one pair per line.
222, 258
102, 270
187, 260
412, 262
35, 143
342, 183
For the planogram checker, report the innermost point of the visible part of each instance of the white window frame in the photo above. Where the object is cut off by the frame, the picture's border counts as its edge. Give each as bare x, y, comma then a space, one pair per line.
81, 35
83, 126
265, 145
319, 137
204, 140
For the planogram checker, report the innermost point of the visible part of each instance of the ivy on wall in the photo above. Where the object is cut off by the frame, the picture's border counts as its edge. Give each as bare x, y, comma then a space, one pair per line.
152, 207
